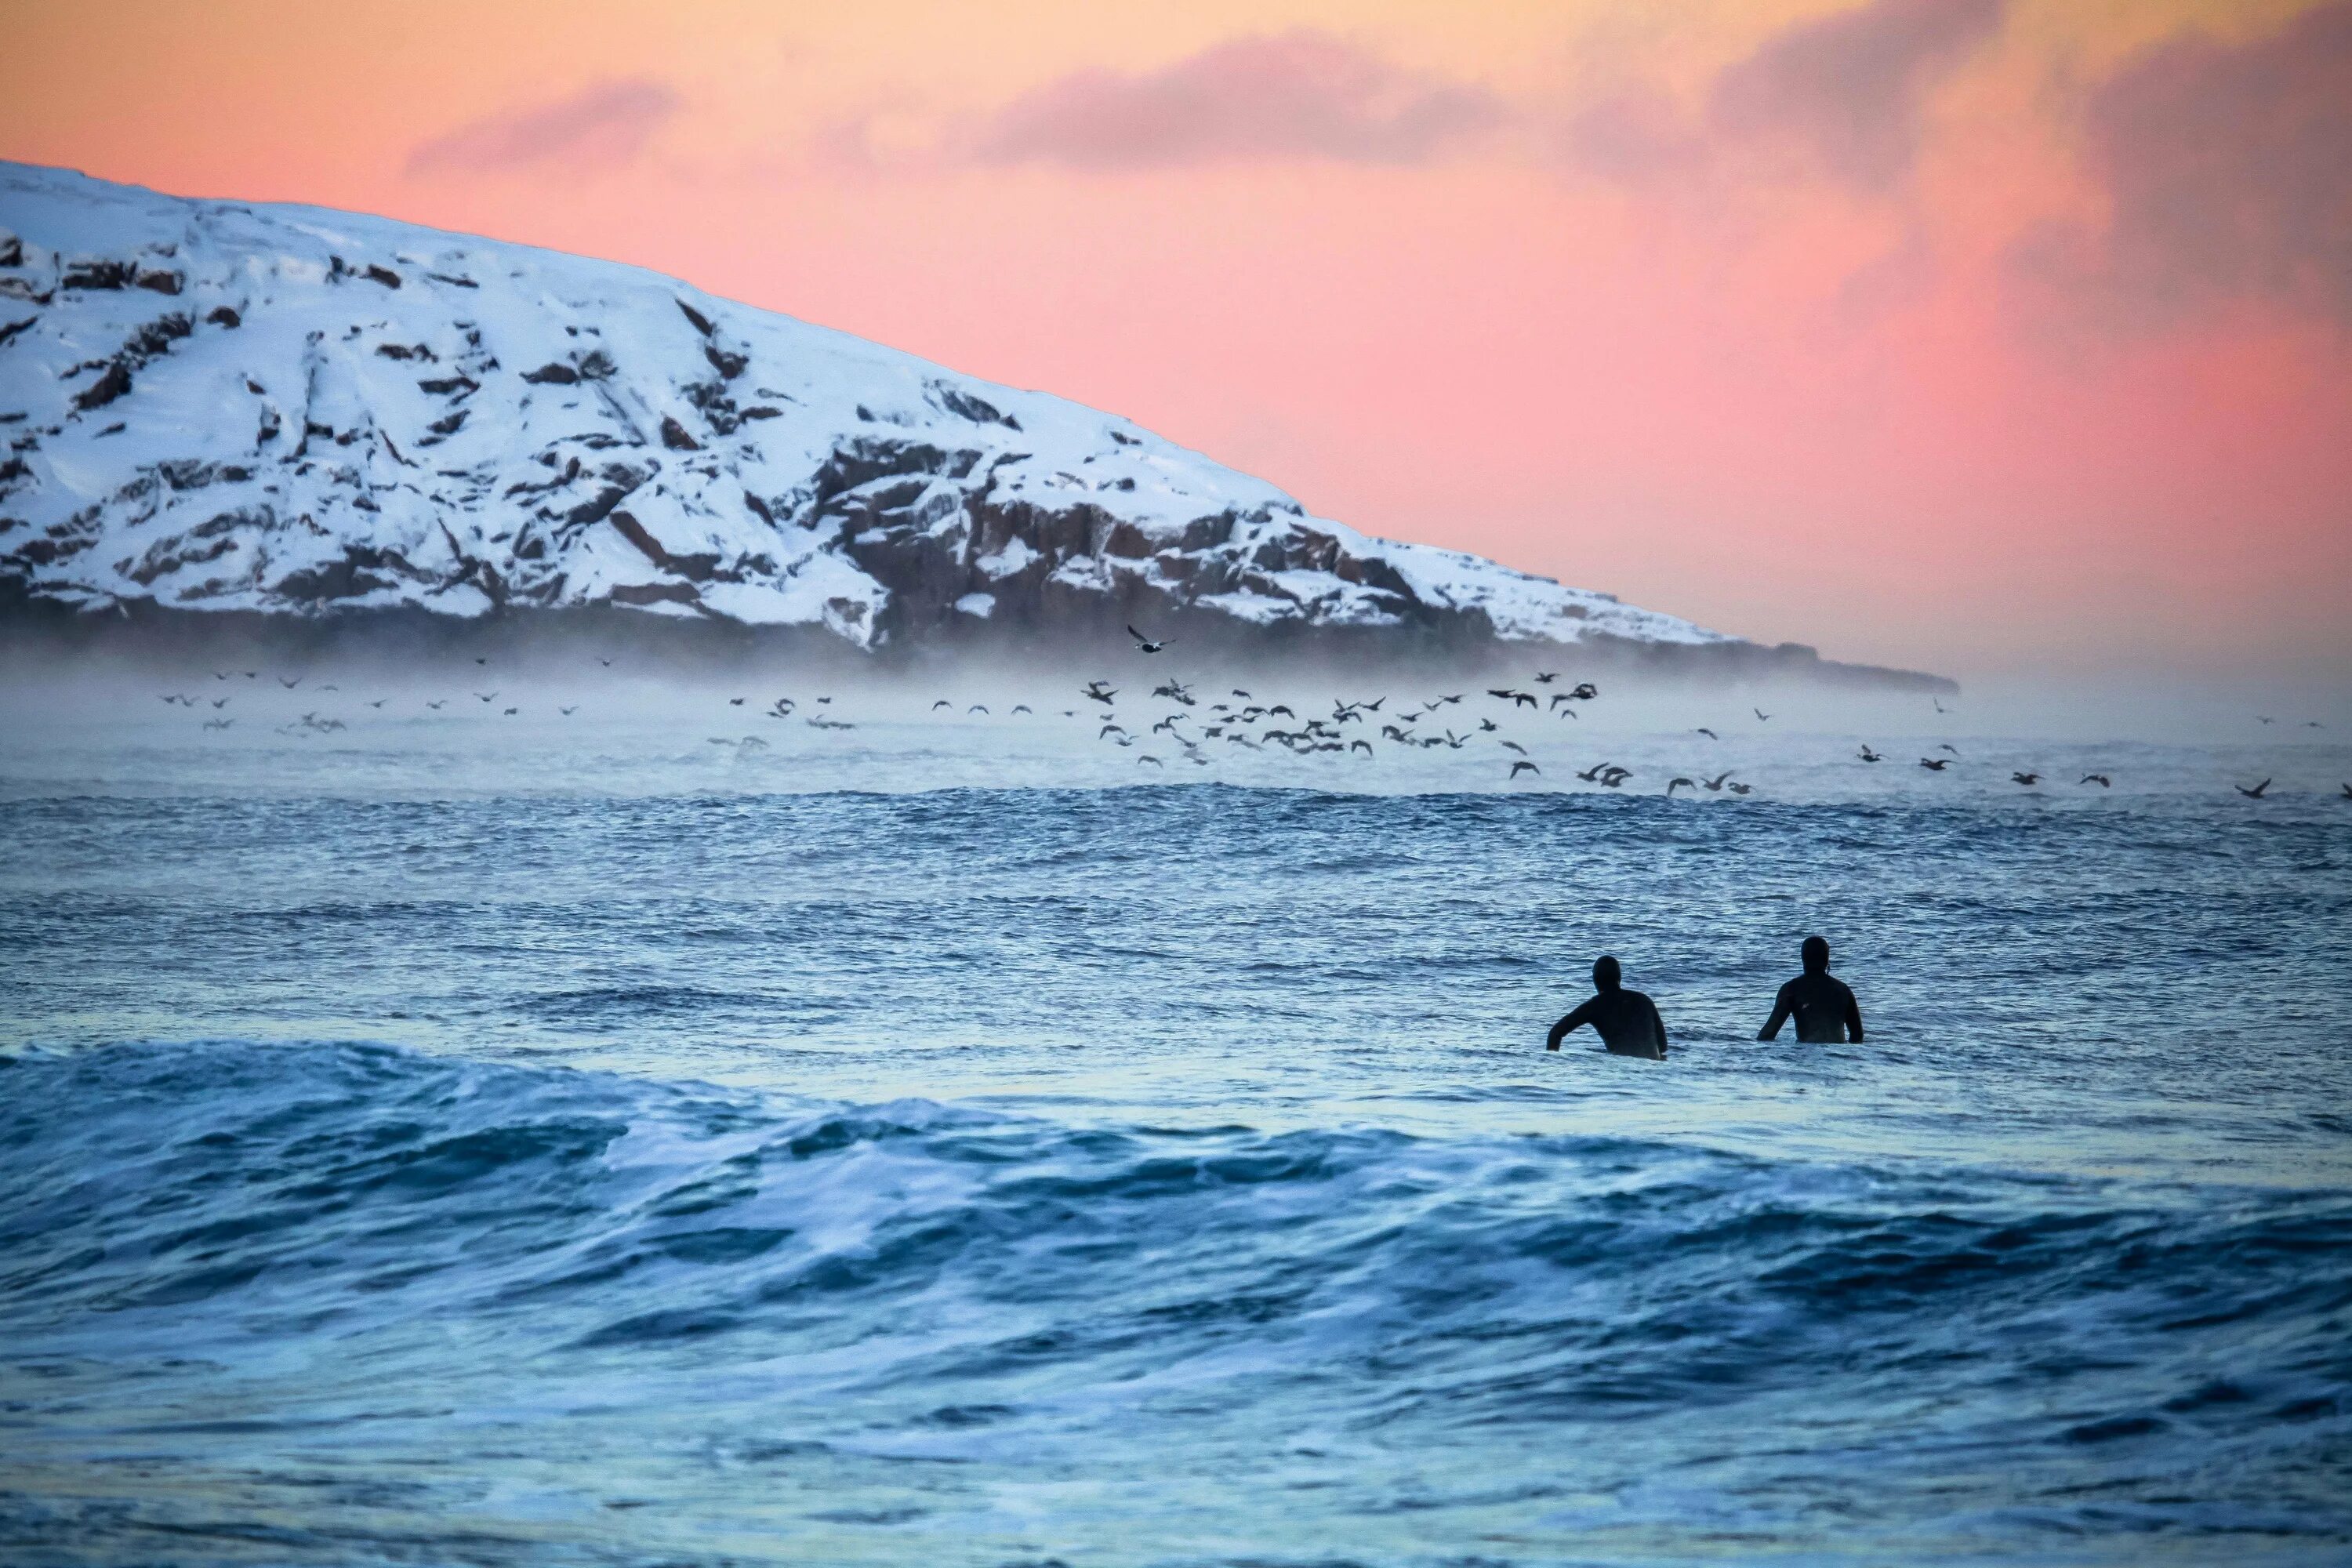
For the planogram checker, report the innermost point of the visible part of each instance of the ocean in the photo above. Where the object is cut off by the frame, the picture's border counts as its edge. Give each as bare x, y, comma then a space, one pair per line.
457, 1145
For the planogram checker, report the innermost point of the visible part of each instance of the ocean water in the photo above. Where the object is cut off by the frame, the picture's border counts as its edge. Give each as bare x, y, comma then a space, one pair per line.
418, 1148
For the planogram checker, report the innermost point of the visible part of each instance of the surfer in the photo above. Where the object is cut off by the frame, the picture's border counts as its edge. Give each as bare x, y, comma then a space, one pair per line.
1626, 1021
1823, 1007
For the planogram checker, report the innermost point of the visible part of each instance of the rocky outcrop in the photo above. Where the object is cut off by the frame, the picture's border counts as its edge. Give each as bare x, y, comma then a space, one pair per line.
211, 408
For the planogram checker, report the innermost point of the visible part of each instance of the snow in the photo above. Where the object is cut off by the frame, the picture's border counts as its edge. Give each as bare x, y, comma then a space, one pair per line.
327, 411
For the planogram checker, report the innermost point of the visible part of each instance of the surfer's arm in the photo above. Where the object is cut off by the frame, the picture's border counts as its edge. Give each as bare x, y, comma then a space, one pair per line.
1658, 1027
1582, 1015
1771, 1029
1853, 1017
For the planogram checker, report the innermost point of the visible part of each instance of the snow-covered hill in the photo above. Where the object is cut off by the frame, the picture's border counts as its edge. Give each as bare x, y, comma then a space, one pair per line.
217, 406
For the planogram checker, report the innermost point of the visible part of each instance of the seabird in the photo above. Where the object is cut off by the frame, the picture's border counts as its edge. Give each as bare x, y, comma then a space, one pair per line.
2253, 794
1546, 677
1520, 767
606, 662
1948, 746
1934, 764
575, 707
1673, 784
223, 702
1717, 782
487, 696
1594, 772
1108, 728
1761, 716
1741, 788
734, 703
481, 661
1487, 726
1148, 757
1870, 756
1515, 746
2029, 779
1711, 734
977, 707
2099, 779
290, 685
1243, 695
224, 723
2265, 719
943, 702
437, 706
1360, 745
512, 711
1585, 691
1938, 702
1144, 644
377, 703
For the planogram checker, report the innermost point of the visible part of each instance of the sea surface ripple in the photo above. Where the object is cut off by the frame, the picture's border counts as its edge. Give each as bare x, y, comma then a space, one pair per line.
1166, 1175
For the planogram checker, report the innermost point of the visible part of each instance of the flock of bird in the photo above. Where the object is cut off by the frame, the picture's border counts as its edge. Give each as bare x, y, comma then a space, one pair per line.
1238, 720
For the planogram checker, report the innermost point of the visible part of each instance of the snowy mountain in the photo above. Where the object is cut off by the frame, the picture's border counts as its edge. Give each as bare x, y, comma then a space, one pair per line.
213, 406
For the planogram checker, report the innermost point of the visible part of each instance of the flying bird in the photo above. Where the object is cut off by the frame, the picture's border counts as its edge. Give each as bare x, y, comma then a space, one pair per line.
2029, 779
487, 696
977, 707
437, 705
943, 702
1742, 788
734, 703
1711, 734
1515, 746
1870, 756
1025, 708
575, 707
2099, 779
377, 703
290, 685
512, 711
1148, 757
1524, 767
1144, 644
1546, 677
1934, 764
1939, 704
1717, 782
2255, 792
1673, 784
1948, 746
1761, 716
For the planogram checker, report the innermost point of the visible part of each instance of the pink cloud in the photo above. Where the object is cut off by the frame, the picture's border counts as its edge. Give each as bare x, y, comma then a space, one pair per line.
1849, 89
2228, 174
1846, 92
603, 125
1298, 95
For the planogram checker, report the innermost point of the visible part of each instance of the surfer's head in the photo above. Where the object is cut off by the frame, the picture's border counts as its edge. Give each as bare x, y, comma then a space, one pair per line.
1816, 954
1605, 974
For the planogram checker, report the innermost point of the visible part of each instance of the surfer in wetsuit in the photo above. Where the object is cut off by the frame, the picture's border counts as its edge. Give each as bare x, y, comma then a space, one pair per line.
1824, 1009
1626, 1021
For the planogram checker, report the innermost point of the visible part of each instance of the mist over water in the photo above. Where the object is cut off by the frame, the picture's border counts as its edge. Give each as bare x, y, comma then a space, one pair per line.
465, 1137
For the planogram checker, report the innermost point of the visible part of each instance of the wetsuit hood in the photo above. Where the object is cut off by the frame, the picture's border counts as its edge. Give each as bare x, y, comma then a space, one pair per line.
1815, 952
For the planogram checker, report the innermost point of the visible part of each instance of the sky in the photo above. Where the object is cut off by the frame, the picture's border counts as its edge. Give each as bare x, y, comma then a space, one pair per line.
2001, 338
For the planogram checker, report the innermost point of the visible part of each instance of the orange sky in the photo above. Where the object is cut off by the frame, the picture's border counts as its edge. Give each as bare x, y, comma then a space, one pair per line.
1977, 336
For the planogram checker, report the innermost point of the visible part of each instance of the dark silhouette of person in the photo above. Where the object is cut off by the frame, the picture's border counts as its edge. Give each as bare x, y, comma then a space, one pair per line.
1626, 1021
1824, 1009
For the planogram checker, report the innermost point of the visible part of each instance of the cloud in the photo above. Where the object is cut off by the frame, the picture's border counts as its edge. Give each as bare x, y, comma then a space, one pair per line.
1849, 89
2227, 173
1298, 95
602, 126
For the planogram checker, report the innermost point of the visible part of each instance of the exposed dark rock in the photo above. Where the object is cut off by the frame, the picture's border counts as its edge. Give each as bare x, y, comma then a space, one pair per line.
10, 329
12, 251
160, 282
441, 386
675, 437
222, 316
729, 365
548, 374
104, 390
701, 322
98, 275
383, 275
